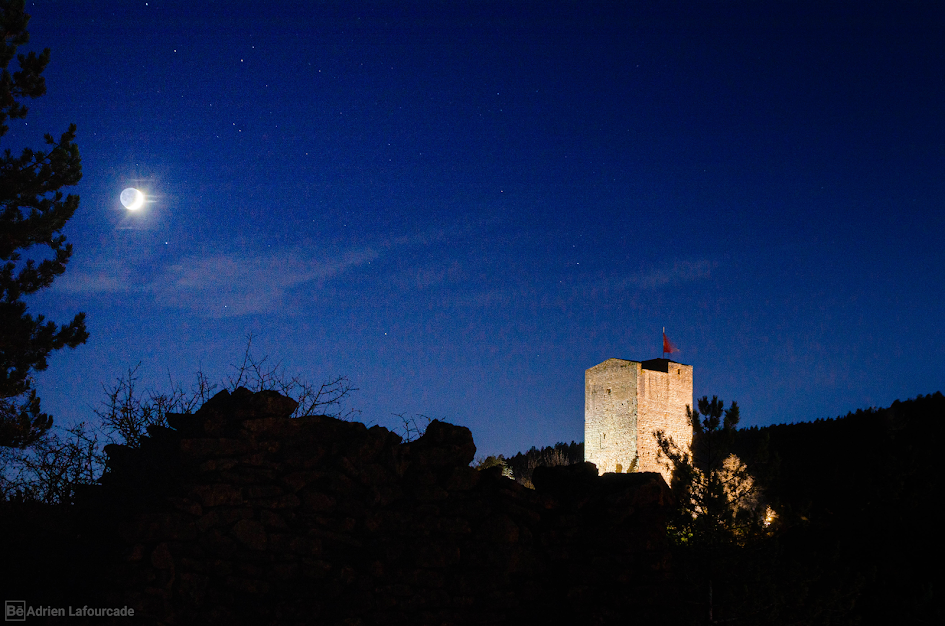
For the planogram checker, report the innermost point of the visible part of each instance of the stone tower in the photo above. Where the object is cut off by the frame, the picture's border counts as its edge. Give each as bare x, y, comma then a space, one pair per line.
625, 402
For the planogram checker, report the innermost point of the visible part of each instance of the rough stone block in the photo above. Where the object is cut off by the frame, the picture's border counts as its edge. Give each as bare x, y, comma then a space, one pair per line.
213, 447
315, 520
161, 557
219, 494
250, 533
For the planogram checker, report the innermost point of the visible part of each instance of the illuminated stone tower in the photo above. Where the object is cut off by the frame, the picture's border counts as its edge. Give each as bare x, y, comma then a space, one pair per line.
625, 402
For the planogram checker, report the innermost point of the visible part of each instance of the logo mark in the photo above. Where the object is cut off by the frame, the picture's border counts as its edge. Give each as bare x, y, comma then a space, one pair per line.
14, 610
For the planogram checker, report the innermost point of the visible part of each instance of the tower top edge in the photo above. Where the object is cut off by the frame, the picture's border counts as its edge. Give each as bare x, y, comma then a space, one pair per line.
661, 365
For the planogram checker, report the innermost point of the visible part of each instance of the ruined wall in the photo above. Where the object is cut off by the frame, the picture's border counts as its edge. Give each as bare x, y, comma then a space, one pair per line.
240, 515
665, 390
610, 414
625, 403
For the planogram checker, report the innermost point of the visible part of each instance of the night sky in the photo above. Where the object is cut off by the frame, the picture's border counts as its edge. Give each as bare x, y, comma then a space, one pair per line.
463, 206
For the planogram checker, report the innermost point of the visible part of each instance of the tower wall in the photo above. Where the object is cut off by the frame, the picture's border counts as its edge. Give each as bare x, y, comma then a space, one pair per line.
610, 414
625, 403
665, 389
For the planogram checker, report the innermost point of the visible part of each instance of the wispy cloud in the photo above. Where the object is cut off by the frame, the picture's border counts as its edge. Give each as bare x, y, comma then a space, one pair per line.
677, 273
221, 284
668, 275
428, 275
225, 285
112, 275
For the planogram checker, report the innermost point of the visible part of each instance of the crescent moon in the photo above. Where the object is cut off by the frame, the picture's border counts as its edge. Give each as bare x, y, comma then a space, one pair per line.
132, 199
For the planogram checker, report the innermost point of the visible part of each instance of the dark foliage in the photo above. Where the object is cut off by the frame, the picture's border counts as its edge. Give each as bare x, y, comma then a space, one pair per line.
62, 462
859, 536
127, 413
719, 536
853, 541
54, 555
236, 514
33, 213
718, 499
523, 464
54, 468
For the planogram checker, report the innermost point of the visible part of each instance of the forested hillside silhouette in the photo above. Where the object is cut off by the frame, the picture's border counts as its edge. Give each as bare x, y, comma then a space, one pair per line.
523, 464
856, 500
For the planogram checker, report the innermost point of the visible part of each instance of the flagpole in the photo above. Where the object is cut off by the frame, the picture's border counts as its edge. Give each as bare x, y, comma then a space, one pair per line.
663, 339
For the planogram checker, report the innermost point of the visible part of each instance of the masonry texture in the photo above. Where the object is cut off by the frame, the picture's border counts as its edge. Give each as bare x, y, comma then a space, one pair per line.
239, 514
625, 403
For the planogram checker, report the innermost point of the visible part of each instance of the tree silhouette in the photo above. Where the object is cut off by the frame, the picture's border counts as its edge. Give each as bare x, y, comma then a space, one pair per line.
719, 512
126, 414
718, 498
33, 212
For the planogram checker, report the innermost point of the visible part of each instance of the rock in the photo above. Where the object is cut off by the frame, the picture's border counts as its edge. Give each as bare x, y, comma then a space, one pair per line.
251, 533
444, 445
265, 404
570, 482
161, 557
243, 515
218, 494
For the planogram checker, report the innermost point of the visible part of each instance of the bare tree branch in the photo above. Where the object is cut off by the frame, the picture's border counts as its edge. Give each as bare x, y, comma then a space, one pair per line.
325, 399
62, 460
54, 467
411, 429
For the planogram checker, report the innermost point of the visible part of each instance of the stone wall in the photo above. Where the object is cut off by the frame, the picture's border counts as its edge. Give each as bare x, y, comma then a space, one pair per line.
625, 403
665, 392
239, 514
610, 414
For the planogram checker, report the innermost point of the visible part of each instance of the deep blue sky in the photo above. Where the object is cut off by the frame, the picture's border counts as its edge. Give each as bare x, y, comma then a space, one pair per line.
463, 206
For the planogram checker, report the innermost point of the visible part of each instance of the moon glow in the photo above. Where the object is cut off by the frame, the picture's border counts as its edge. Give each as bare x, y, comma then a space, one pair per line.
132, 199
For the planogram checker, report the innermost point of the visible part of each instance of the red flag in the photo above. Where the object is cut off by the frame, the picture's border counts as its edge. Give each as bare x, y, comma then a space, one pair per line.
668, 347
